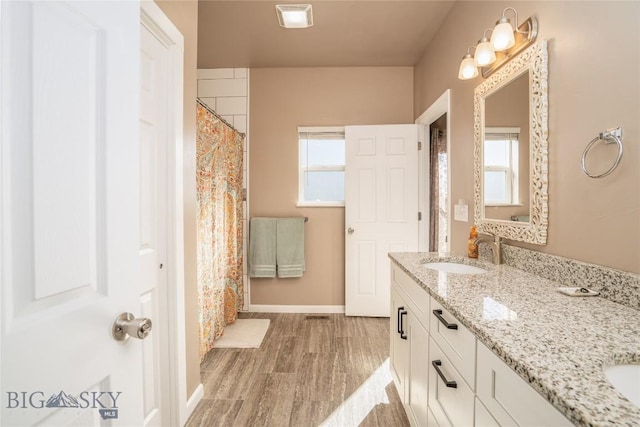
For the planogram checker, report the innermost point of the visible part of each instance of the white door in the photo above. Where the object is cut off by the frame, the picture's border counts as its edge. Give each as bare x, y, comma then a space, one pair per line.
69, 216
381, 210
154, 84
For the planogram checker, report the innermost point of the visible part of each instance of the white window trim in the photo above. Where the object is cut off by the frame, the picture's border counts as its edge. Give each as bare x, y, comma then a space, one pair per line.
319, 204
301, 169
322, 129
502, 130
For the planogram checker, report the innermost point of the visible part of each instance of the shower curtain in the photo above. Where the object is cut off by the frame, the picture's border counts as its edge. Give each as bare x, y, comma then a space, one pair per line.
219, 151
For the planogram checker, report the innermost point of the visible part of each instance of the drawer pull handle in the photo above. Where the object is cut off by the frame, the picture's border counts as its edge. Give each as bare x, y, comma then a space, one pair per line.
402, 334
438, 314
436, 364
399, 323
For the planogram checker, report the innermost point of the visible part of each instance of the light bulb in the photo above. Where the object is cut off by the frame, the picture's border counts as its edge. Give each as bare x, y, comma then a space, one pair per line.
502, 37
468, 69
295, 18
485, 54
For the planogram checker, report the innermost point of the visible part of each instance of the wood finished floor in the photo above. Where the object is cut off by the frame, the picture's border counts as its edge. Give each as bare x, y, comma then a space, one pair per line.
308, 372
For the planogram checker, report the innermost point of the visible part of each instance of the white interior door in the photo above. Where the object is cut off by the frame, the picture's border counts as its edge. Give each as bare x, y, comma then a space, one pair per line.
69, 216
154, 146
381, 210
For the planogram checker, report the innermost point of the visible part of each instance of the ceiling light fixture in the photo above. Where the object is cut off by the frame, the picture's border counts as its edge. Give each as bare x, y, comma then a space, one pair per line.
294, 15
505, 43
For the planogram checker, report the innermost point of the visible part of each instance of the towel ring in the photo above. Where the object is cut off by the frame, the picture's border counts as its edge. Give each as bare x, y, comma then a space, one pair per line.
609, 136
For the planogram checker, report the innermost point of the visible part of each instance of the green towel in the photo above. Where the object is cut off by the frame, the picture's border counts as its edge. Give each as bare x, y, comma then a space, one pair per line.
262, 247
290, 247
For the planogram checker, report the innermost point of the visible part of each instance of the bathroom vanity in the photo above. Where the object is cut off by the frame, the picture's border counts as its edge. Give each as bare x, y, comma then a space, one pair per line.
503, 347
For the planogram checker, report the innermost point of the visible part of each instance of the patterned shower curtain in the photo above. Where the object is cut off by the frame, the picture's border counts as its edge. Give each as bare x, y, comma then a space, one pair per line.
219, 211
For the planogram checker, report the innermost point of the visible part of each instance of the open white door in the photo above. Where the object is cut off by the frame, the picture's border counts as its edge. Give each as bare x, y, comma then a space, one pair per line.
69, 212
154, 144
381, 211
161, 284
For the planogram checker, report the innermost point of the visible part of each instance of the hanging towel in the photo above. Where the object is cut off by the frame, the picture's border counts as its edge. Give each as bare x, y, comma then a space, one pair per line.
290, 246
262, 247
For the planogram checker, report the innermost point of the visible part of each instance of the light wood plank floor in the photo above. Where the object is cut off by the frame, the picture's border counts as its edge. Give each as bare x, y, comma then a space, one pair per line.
311, 370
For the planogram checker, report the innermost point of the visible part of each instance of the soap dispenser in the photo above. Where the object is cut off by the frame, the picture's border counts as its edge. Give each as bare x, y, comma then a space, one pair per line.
472, 248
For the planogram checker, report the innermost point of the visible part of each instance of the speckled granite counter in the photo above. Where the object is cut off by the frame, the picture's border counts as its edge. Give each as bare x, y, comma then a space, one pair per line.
555, 342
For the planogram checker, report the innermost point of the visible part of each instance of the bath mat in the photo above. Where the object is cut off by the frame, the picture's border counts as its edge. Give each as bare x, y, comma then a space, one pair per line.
244, 333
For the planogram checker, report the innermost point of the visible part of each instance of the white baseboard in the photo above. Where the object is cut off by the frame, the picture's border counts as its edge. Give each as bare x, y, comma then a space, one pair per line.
193, 401
261, 308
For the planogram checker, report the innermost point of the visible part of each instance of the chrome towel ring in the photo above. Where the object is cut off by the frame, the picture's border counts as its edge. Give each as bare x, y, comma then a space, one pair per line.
609, 136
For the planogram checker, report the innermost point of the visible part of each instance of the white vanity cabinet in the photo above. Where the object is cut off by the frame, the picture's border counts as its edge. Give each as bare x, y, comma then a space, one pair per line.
409, 345
508, 399
446, 377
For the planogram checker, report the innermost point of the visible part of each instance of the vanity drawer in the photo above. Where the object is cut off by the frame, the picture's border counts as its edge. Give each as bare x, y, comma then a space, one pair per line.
508, 398
450, 406
417, 297
458, 343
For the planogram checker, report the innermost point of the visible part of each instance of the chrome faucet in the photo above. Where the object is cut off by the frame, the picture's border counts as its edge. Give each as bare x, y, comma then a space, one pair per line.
495, 243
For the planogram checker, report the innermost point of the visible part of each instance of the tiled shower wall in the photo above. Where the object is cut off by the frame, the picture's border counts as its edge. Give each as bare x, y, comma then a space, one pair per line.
226, 91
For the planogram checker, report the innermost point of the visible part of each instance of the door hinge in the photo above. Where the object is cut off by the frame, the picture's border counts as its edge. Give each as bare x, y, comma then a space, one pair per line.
419, 216
419, 145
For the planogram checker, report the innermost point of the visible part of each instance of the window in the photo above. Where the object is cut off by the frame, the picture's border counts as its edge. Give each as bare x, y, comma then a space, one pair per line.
321, 166
501, 166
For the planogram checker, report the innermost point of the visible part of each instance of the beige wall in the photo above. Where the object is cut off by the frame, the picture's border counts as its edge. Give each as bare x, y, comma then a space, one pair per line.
594, 84
184, 15
281, 100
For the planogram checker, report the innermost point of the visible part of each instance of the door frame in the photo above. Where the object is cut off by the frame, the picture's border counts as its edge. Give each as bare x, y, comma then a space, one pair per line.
441, 106
174, 383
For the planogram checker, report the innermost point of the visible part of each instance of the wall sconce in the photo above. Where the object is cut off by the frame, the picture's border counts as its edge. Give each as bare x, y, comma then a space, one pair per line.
485, 52
505, 43
468, 68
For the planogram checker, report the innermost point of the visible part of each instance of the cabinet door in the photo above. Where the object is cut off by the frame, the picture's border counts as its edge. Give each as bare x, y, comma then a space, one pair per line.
418, 399
509, 398
452, 405
399, 346
484, 418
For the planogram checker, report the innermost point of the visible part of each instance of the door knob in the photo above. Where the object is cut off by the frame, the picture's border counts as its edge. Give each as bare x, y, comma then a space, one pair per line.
350, 230
127, 325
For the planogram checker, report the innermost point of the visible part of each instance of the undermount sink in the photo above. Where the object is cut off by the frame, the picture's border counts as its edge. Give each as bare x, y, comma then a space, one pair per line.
625, 379
454, 267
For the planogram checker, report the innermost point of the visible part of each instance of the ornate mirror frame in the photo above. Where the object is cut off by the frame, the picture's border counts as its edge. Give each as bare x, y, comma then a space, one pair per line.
535, 60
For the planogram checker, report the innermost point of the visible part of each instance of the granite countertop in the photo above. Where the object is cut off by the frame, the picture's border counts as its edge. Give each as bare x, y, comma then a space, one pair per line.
557, 343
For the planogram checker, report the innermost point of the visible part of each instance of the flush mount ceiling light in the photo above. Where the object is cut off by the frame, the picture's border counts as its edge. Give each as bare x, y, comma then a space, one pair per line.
294, 15
505, 44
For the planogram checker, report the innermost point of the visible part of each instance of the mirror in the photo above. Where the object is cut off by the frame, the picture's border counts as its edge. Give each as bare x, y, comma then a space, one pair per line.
510, 151
505, 151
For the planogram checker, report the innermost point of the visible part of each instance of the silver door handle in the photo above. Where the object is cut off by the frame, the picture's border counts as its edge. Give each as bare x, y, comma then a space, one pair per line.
127, 325
350, 230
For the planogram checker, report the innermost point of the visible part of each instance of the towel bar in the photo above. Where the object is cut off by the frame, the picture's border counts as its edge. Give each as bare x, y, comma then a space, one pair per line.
306, 219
